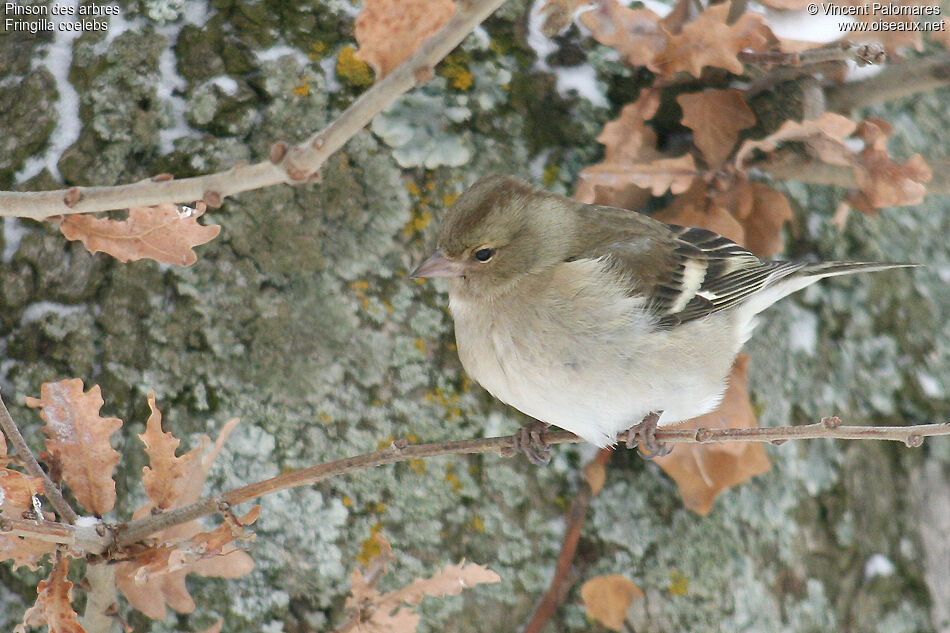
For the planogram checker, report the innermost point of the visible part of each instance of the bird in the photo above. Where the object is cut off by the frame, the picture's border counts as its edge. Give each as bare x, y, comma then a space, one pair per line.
597, 319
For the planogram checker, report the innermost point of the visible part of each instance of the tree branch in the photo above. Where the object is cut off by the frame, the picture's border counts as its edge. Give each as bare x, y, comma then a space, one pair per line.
895, 81
400, 451
787, 164
297, 165
53, 493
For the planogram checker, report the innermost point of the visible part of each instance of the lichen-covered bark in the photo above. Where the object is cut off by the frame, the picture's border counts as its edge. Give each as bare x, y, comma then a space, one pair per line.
300, 319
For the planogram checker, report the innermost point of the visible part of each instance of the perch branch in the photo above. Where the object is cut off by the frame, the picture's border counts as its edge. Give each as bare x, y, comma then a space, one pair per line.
53, 493
401, 451
297, 165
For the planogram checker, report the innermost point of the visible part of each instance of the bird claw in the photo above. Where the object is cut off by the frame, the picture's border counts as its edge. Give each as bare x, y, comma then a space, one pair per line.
644, 436
529, 440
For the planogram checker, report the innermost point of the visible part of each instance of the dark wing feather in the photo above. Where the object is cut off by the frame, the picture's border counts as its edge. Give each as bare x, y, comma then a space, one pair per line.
687, 273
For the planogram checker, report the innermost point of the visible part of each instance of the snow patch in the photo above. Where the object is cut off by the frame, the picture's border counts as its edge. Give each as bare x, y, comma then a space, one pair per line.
57, 58
929, 384
36, 311
878, 565
13, 232
581, 79
803, 333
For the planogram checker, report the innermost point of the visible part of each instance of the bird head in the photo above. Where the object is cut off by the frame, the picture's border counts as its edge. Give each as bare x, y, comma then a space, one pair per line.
498, 232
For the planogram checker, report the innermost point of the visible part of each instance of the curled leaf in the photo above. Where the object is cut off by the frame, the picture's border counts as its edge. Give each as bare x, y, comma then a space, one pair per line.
53, 603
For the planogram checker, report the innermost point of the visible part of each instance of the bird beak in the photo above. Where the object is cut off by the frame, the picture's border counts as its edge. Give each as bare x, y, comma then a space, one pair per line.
438, 265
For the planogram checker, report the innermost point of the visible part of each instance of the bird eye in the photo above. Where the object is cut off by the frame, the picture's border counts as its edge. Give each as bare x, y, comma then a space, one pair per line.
484, 254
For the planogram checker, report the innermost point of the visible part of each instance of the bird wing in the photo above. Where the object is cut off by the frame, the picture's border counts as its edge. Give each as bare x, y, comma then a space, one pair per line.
687, 273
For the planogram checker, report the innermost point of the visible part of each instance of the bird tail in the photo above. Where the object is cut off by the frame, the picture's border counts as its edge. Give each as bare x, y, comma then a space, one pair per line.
833, 269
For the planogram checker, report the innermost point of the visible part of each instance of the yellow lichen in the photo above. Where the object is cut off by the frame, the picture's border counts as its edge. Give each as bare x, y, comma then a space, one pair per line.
369, 548
679, 583
318, 50
449, 199
420, 345
351, 70
551, 173
417, 466
303, 88
477, 524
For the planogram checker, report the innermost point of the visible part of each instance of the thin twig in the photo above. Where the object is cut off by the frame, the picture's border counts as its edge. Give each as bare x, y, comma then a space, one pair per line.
53, 493
400, 452
562, 581
297, 165
872, 53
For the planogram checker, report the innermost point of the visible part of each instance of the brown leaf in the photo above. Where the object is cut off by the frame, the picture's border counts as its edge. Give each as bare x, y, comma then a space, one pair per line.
16, 498
159, 233
53, 603
390, 31
23, 551
79, 441
658, 176
375, 612
702, 471
607, 599
709, 41
693, 208
626, 140
635, 33
883, 182
168, 476
716, 117
156, 579
595, 472
762, 212
823, 136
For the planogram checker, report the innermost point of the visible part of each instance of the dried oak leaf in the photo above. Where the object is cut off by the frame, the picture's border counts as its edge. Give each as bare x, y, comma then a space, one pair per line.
79, 441
694, 208
160, 233
151, 590
53, 603
168, 476
702, 471
710, 41
883, 182
390, 31
823, 136
762, 212
716, 117
387, 612
16, 498
626, 140
635, 33
607, 599
658, 176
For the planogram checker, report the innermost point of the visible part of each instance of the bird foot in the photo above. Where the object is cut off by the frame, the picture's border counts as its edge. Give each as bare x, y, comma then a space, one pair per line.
529, 440
644, 436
